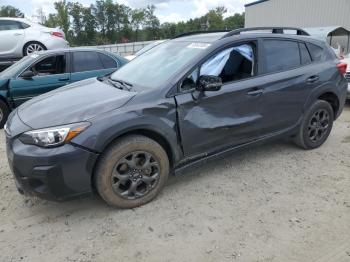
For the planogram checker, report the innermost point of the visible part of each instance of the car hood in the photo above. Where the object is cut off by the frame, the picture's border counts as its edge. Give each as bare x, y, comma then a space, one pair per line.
77, 102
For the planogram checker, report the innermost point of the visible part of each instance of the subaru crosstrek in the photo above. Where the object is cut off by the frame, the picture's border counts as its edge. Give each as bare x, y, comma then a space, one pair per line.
191, 99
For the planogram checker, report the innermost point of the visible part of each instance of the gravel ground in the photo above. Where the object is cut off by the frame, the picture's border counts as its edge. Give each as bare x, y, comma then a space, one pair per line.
270, 203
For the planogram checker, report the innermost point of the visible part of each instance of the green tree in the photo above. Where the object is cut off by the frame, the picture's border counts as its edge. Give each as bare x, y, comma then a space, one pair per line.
10, 11
76, 12
62, 16
151, 23
234, 22
90, 24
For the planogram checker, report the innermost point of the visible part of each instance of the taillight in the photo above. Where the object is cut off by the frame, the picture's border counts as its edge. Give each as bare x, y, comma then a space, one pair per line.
342, 68
58, 34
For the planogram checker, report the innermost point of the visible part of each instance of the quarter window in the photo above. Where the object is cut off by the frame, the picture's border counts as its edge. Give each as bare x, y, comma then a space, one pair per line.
280, 55
304, 55
315, 51
51, 65
107, 61
86, 61
9, 25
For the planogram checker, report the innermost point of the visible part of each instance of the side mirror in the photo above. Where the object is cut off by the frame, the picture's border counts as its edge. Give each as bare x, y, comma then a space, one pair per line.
209, 83
27, 74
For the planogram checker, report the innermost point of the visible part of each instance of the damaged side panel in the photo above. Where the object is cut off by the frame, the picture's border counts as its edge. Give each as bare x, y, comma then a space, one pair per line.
211, 120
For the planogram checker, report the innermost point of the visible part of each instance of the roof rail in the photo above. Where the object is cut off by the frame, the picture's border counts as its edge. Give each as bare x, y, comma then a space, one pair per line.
200, 32
274, 30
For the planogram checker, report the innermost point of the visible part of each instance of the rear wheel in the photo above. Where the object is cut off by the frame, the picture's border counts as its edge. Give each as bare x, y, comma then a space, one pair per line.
4, 113
316, 126
132, 172
32, 47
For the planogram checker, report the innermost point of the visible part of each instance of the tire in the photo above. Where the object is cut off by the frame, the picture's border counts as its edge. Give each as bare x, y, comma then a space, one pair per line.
133, 160
316, 125
4, 113
32, 47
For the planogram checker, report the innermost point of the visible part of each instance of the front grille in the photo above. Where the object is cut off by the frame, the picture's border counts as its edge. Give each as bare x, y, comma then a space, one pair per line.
347, 76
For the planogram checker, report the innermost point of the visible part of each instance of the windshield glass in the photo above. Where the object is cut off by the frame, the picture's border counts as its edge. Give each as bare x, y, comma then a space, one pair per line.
148, 47
16, 67
155, 67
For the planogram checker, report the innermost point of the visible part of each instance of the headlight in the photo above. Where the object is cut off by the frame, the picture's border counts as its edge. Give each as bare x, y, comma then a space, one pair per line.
53, 136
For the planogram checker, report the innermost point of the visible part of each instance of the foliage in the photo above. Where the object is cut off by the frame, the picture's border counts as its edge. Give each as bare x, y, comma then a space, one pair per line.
10, 11
107, 22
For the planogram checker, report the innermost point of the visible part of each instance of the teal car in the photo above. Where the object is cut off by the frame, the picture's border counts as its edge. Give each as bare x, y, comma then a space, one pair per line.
45, 71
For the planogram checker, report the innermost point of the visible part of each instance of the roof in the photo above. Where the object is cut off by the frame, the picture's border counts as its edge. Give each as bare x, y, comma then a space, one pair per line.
255, 3
322, 33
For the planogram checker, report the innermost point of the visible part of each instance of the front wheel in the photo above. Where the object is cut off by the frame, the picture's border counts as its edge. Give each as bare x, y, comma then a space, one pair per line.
316, 125
132, 172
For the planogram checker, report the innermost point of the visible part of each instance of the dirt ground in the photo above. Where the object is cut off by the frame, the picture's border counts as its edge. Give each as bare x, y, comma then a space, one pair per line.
275, 202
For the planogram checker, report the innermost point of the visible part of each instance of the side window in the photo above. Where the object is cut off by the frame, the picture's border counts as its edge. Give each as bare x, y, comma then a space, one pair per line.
9, 25
86, 61
107, 61
231, 64
24, 25
316, 52
51, 65
304, 54
280, 55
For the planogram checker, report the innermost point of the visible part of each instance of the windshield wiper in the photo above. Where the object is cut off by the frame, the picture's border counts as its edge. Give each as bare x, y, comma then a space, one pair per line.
115, 84
127, 85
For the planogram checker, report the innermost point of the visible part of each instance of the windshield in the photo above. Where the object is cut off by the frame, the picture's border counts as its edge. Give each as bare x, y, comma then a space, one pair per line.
14, 69
148, 47
155, 67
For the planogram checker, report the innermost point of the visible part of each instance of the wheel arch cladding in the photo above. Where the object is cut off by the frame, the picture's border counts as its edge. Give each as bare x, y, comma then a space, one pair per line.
154, 135
332, 99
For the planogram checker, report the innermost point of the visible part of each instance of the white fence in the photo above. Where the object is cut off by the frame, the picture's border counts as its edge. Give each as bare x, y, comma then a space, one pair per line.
125, 48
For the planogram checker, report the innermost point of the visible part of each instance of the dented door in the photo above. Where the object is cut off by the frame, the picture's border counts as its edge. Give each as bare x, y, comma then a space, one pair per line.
211, 120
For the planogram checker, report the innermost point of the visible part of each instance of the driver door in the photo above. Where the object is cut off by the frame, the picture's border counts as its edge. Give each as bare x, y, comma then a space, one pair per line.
212, 120
50, 72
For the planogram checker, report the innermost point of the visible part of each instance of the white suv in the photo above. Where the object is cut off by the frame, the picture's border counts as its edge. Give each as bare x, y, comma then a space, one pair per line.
20, 37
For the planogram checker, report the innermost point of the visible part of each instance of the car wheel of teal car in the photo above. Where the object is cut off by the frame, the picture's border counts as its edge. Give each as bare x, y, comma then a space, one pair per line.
4, 112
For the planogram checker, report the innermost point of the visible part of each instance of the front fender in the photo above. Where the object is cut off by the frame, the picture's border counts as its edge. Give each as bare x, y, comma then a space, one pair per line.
160, 120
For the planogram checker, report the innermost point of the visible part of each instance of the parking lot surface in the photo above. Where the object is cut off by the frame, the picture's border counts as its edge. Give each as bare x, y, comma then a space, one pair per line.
274, 202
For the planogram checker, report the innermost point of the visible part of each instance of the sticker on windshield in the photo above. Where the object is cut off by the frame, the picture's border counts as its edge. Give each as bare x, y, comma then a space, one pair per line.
198, 45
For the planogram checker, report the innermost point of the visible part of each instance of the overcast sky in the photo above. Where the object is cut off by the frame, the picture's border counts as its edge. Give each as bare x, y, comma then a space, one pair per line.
167, 10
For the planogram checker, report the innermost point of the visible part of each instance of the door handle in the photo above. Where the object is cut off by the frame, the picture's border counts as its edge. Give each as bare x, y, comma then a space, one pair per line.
63, 79
16, 34
312, 79
255, 92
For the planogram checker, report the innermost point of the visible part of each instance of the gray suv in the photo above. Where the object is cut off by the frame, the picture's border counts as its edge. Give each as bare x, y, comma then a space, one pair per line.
186, 101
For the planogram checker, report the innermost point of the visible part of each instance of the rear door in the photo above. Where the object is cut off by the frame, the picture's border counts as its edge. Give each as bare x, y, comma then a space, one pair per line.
50, 73
11, 35
86, 64
288, 80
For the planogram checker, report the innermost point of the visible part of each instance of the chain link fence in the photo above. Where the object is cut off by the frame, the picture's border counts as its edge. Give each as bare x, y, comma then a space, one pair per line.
125, 48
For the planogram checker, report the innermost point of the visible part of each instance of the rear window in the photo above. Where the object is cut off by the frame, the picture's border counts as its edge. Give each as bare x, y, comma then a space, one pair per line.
304, 54
281, 55
316, 52
86, 61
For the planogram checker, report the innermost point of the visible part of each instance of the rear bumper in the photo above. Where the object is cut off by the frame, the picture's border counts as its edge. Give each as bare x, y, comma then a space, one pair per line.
55, 173
54, 42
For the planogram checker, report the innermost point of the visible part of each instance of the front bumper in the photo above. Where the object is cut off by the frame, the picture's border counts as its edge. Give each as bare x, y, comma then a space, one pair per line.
51, 173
